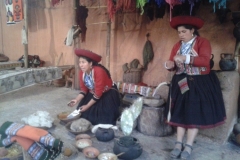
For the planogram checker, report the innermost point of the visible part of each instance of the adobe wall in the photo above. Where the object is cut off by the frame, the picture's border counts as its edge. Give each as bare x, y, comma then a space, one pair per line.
48, 28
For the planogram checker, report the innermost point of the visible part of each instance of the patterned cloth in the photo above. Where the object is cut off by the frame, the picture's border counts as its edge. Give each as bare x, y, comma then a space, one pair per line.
40, 144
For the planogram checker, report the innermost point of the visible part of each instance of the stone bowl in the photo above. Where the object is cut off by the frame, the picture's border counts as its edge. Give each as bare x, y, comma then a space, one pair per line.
68, 125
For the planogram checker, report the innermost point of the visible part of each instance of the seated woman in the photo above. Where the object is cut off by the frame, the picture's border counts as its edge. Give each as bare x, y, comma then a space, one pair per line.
99, 99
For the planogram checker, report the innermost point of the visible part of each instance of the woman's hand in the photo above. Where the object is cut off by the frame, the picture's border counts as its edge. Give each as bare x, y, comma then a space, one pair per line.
169, 64
83, 108
72, 103
179, 59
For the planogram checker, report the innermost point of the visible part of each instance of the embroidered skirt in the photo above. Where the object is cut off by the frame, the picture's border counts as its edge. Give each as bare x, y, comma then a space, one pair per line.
201, 106
105, 110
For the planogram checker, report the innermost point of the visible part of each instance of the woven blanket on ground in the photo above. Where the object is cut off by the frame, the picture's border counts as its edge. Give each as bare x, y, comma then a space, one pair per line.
39, 144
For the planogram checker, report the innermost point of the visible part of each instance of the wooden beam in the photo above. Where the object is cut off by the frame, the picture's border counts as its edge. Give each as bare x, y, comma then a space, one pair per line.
26, 29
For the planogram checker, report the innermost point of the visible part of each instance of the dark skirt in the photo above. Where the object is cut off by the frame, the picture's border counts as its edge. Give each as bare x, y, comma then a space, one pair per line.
201, 106
105, 110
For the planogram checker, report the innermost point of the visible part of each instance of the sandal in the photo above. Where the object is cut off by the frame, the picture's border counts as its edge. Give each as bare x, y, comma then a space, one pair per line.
175, 153
185, 154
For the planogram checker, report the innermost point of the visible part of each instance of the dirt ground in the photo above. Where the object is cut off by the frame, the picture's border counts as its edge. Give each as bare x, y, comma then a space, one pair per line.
43, 97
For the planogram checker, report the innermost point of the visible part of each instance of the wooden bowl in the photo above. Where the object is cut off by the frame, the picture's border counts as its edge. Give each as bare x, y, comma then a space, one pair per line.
63, 117
68, 125
83, 143
107, 156
91, 152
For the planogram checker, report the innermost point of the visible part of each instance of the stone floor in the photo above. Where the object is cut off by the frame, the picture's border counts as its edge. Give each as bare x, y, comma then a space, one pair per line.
18, 104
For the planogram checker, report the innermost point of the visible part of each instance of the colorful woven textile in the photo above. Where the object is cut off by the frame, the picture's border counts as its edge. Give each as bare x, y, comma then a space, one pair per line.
39, 144
221, 3
140, 4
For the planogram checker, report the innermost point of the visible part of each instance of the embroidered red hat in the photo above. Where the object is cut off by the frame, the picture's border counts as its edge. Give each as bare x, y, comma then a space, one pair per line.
189, 20
89, 54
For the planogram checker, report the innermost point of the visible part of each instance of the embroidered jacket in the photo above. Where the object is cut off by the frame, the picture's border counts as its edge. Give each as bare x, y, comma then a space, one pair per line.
199, 58
102, 83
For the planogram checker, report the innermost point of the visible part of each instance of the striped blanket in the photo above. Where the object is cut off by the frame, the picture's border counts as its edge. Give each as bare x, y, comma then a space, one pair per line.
40, 144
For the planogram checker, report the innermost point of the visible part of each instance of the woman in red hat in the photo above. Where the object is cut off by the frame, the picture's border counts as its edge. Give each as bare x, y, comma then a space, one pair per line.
195, 97
99, 99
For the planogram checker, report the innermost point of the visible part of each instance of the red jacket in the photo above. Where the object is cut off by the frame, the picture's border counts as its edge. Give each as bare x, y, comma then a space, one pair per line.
199, 58
102, 82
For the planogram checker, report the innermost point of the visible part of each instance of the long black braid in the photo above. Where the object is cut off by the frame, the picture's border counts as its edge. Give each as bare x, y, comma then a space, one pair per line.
94, 63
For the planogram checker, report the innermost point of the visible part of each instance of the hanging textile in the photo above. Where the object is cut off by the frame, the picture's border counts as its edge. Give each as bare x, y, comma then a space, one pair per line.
140, 4
191, 2
81, 16
159, 2
14, 11
17, 10
111, 9
55, 2
172, 3
126, 5
221, 3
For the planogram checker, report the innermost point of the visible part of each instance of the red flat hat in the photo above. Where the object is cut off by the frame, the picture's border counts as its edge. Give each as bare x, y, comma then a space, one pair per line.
89, 54
190, 20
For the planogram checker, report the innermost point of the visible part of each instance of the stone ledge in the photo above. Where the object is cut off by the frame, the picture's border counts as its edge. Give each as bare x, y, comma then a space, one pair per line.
229, 81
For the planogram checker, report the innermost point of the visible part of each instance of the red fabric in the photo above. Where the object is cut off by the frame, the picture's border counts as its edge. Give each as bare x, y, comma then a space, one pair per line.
203, 48
111, 8
54, 2
89, 54
102, 82
190, 20
126, 5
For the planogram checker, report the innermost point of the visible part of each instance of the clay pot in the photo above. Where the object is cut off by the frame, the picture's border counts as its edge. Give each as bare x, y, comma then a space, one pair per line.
227, 62
91, 152
211, 62
129, 146
83, 143
104, 135
236, 129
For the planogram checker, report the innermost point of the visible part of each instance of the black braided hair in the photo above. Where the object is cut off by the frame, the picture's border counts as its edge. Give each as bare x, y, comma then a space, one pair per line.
94, 63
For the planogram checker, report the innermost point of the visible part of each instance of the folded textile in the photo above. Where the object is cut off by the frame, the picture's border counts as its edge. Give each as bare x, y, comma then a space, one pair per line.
39, 144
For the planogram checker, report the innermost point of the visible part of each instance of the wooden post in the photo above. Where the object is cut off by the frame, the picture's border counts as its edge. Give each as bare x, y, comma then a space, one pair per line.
108, 45
26, 29
76, 45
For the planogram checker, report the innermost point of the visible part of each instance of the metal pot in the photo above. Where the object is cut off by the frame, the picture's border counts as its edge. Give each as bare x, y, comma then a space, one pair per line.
129, 146
104, 135
227, 62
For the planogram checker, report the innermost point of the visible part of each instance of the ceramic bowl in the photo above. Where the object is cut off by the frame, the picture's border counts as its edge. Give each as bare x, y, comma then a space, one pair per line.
63, 117
83, 143
107, 156
82, 136
91, 152
68, 125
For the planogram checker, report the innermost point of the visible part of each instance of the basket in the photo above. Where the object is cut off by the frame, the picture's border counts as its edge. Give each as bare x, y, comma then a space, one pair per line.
133, 76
